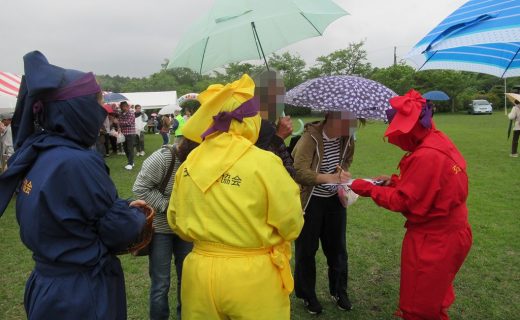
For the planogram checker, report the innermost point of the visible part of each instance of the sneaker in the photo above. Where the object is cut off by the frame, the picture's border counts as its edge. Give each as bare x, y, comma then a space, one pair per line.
313, 306
142, 153
342, 301
129, 167
514, 155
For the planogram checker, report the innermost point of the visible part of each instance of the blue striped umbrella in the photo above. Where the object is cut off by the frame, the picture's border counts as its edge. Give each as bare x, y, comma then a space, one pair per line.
480, 36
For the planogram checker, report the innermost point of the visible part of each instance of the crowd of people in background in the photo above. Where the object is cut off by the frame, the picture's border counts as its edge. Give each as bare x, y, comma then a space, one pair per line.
6, 139
123, 130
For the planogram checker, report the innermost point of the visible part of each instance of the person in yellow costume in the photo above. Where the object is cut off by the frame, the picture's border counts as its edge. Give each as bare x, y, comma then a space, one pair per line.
240, 207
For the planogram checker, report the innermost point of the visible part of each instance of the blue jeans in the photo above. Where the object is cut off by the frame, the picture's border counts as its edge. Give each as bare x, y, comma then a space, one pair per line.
165, 137
163, 247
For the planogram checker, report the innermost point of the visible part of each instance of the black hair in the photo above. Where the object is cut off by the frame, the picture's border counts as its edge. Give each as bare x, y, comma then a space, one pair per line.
185, 147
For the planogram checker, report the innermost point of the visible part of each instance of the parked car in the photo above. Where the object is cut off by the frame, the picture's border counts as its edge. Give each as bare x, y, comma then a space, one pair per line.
480, 107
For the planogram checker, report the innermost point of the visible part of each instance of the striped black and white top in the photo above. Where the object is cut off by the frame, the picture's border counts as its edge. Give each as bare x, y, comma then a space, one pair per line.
148, 182
331, 159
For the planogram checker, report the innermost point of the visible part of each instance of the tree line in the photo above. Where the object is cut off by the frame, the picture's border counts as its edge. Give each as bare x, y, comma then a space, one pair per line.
461, 86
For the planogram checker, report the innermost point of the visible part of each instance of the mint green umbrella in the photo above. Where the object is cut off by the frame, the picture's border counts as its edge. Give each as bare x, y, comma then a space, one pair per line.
239, 30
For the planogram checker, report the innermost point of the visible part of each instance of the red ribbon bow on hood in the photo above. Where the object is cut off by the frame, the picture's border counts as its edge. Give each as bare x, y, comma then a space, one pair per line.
408, 109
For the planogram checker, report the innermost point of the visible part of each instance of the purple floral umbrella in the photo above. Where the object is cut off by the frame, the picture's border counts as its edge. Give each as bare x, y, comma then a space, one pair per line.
366, 98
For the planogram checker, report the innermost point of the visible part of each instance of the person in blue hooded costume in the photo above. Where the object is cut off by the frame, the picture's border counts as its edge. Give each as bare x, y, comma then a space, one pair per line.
68, 209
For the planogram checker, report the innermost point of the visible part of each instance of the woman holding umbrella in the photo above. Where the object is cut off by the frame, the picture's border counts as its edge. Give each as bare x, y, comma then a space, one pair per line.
322, 158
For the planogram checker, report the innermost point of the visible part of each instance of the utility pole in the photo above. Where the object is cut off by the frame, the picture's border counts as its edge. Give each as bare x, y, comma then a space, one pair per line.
505, 97
395, 55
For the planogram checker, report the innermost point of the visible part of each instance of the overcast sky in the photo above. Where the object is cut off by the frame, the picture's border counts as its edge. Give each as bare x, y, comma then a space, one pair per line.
133, 37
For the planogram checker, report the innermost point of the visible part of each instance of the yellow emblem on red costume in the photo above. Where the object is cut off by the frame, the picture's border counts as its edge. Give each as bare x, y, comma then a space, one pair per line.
456, 169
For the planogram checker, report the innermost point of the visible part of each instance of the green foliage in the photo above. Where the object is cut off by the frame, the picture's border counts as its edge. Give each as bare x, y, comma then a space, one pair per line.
113, 84
462, 87
233, 71
349, 61
296, 111
290, 66
399, 78
313, 72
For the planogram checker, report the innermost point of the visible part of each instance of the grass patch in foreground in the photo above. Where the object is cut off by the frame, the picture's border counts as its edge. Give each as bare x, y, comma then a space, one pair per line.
487, 287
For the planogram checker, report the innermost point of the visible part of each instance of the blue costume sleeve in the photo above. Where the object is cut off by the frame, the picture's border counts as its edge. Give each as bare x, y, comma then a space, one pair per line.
83, 198
120, 226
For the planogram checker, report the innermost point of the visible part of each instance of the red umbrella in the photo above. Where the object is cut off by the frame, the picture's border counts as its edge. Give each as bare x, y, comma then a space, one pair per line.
108, 108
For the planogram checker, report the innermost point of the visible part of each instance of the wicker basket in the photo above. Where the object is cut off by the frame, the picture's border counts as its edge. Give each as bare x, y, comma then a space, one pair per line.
140, 247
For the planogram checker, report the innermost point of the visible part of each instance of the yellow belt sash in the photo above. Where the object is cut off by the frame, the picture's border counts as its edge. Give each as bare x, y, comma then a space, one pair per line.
280, 256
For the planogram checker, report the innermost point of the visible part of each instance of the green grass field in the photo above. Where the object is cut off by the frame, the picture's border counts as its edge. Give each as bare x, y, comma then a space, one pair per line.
487, 287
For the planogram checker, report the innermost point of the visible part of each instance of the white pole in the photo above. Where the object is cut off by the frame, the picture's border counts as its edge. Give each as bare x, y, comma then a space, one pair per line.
505, 98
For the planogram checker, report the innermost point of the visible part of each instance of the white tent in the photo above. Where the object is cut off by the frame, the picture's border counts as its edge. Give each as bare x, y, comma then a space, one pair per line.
7, 103
151, 100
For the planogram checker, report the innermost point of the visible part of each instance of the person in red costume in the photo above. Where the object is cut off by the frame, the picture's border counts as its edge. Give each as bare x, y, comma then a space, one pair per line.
431, 192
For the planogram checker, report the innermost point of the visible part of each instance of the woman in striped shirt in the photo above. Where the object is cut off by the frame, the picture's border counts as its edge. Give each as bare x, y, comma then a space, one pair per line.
165, 244
322, 158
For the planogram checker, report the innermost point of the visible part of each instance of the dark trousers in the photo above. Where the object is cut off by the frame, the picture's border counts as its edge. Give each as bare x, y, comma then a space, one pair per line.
107, 143
163, 247
128, 145
100, 144
113, 143
514, 146
325, 221
139, 143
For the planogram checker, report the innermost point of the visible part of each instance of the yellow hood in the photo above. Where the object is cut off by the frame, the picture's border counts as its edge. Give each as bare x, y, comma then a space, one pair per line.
220, 150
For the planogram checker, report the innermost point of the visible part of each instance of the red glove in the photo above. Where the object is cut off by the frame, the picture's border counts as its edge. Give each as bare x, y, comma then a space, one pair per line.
362, 187
393, 180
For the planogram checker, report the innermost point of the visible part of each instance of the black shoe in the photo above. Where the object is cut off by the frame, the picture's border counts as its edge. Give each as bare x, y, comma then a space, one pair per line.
342, 301
313, 306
